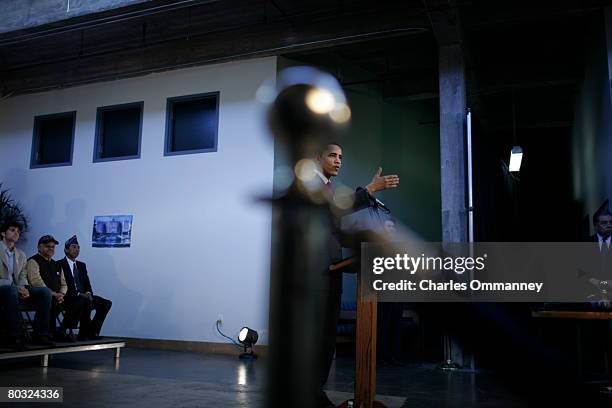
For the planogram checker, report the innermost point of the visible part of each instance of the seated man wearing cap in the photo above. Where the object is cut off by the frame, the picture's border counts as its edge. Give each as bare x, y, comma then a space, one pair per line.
14, 290
43, 271
79, 287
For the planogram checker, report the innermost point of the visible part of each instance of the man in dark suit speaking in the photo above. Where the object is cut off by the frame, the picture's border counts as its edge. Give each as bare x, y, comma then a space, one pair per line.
79, 287
602, 223
329, 161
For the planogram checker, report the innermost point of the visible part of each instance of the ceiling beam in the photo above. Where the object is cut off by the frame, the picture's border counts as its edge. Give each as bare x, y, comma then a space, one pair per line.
18, 15
257, 40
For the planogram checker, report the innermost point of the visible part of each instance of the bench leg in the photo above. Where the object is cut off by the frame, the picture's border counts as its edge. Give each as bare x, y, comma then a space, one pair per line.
44, 360
118, 352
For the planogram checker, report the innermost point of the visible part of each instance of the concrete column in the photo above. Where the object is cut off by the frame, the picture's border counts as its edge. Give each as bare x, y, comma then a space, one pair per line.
452, 143
605, 146
453, 164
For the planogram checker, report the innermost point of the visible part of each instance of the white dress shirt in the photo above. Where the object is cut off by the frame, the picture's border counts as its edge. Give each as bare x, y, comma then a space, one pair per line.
71, 266
601, 241
320, 174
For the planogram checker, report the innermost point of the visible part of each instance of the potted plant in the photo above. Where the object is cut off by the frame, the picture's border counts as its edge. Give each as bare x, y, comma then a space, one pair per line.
11, 211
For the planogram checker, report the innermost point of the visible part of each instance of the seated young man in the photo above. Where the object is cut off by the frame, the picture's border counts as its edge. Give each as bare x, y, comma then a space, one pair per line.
44, 272
14, 291
79, 289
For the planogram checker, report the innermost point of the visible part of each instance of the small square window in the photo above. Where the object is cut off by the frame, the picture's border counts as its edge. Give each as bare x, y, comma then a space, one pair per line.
53, 140
118, 132
191, 124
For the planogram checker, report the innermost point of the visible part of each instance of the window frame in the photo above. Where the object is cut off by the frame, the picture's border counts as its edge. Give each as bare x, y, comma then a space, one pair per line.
34, 154
168, 137
99, 128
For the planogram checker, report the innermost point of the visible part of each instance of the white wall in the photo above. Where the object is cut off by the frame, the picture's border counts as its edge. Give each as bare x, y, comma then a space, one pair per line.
200, 241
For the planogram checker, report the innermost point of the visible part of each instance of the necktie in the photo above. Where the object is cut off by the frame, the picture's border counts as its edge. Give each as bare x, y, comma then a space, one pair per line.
77, 278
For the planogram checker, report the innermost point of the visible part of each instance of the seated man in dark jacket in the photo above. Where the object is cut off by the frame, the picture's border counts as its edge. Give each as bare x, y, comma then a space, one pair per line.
79, 287
44, 272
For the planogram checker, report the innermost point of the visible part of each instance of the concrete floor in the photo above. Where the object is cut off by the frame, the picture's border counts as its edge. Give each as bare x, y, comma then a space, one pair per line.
155, 378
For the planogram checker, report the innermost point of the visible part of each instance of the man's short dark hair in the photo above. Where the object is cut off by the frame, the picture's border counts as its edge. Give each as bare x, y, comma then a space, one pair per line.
600, 213
5, 226
324, 146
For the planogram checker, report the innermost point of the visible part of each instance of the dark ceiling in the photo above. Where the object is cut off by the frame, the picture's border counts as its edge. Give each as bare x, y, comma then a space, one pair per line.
161, 35
508, 45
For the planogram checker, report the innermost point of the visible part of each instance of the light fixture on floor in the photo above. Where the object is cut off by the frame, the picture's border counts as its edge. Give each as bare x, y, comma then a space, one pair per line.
248, 337
516, 157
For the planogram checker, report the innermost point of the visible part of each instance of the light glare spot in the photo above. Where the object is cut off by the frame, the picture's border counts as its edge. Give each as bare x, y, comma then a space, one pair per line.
320, 100
343, 198
305, 170
265, 93
242, 375
341, 113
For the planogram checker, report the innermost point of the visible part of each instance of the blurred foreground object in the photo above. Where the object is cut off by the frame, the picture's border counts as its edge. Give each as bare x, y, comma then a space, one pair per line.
307, 108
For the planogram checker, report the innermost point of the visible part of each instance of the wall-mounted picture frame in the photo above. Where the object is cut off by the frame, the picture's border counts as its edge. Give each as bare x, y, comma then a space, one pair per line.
112, 231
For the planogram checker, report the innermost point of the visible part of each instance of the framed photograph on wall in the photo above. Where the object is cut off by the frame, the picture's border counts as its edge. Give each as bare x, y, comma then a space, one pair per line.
112, 231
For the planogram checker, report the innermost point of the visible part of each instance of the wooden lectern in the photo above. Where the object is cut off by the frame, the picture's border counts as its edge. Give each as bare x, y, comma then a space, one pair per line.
365, 353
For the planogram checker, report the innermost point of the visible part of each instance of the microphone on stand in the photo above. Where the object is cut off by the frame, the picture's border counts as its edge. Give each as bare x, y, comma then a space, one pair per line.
376, 202
381, 205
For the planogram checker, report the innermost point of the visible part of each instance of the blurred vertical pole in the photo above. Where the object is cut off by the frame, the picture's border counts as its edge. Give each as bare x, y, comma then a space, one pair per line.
301, 119
296, 305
